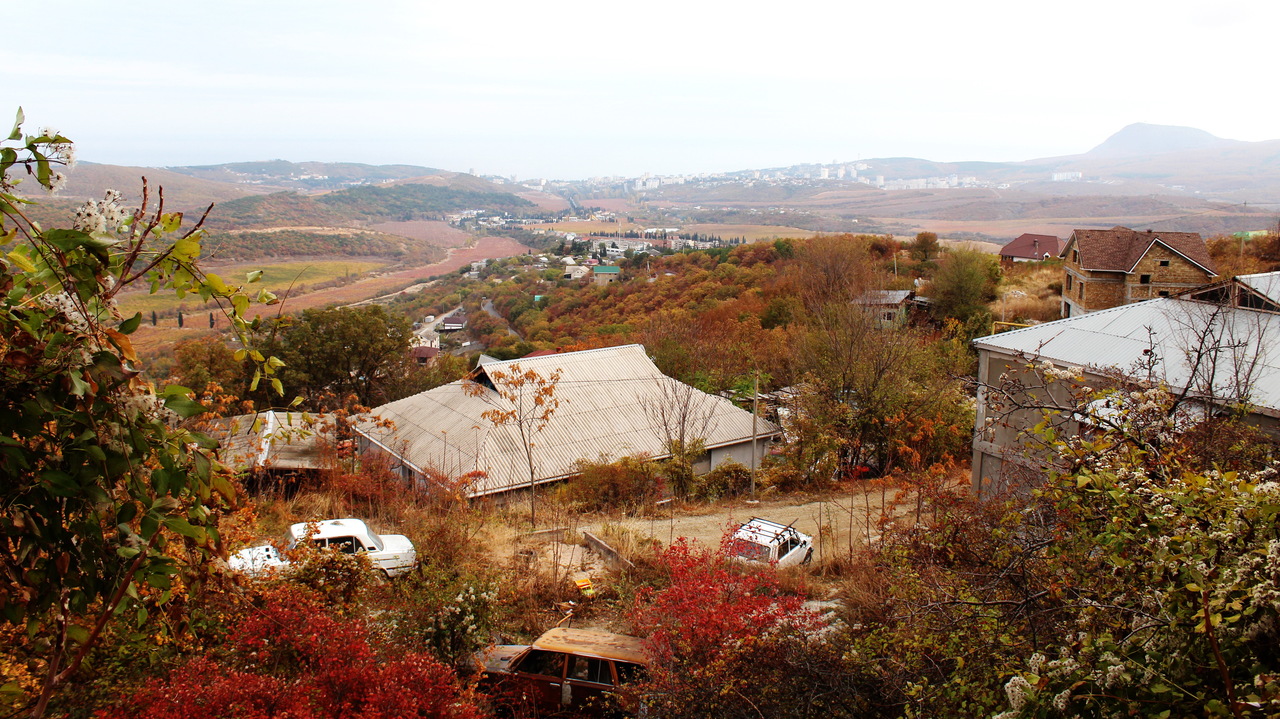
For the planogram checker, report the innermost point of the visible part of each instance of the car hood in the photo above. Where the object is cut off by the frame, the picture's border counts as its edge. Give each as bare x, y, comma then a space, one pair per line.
256, 559
498, 658
396, 544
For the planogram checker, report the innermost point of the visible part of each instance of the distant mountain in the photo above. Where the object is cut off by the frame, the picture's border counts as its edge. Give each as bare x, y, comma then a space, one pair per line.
1141, 159
1141, 138
356, 206
307, 176
88, 181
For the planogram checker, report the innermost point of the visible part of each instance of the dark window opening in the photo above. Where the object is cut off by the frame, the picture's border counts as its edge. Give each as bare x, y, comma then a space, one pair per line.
1164, 293
1144, 279
590, 670
628, 672
1164, 263
543, 663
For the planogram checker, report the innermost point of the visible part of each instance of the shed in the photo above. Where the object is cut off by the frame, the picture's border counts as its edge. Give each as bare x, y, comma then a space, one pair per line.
609, 402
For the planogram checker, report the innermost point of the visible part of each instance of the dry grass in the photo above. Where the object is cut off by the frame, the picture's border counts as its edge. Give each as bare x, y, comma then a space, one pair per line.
276, 277
588, 227
751, 233
1030, 292
535, 575
438, 233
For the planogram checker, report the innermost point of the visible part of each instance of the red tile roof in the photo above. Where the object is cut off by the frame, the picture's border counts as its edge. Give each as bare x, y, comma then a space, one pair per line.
1032, 246
1119, 249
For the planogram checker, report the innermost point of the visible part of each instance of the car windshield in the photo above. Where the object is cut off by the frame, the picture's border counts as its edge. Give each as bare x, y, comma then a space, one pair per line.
747, 549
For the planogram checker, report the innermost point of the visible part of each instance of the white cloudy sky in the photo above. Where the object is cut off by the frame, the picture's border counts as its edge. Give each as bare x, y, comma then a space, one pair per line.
574, 88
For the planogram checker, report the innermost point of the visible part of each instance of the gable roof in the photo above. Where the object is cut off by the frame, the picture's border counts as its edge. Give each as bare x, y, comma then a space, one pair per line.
1119, 249
1119, 337
1032, 246
1258, 291
271, 440
1266, 284
877, 298
603, 395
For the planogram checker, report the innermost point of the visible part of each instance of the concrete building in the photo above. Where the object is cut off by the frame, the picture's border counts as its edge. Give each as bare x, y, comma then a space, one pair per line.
1107, 268
606, 274
1241, 317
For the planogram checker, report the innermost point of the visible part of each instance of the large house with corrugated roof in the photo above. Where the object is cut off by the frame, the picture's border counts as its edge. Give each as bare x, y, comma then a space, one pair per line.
1108, 268
613, 402
1240, 317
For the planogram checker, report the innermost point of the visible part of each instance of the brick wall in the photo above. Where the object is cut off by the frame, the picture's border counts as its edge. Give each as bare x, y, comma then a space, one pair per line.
1090, 291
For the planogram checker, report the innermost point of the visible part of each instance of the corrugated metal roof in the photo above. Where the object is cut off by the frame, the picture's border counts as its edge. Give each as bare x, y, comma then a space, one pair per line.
883, 297
283, 440
1266, 284
602, 414
1117, 337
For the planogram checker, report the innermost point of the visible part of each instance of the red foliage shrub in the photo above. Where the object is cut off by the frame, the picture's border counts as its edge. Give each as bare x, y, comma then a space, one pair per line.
711, 604
291, 658
727, 643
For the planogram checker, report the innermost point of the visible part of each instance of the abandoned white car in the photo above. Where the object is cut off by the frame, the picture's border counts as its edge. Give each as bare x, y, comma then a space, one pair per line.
766, 542
391, 554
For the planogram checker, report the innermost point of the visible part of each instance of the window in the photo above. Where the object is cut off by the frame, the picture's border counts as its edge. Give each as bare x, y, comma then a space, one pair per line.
1075, 256
628, 672
346, 545
590, 670
1164, 263
787, 545
543, 663
1068, 283
1080, 291
1144, 279
749, 550
1164, 293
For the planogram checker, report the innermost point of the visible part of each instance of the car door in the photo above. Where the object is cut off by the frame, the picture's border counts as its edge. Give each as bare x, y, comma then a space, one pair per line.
789, 552
539, 679
588, 683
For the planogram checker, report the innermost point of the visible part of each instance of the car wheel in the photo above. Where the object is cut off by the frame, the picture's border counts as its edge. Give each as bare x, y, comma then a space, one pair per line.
808, 556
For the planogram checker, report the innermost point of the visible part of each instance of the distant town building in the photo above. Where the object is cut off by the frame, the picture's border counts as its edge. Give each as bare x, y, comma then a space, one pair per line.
606, 274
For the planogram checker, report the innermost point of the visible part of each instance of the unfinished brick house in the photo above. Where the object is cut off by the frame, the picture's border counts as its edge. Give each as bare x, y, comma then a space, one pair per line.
1109, 268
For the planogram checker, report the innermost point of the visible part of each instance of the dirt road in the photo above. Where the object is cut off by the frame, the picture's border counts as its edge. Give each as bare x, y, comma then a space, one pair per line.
826, 520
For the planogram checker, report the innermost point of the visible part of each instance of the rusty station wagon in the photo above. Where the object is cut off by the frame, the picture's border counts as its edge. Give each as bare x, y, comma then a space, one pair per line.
584, 672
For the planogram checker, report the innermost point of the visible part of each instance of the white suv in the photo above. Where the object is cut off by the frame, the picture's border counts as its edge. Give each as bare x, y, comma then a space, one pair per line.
392, 554
766, 542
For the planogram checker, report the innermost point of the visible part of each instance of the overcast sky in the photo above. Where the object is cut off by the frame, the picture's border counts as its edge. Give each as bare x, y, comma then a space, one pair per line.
570, 88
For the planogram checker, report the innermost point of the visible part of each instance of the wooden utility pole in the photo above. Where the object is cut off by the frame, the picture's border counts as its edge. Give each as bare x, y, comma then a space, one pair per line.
755, 407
